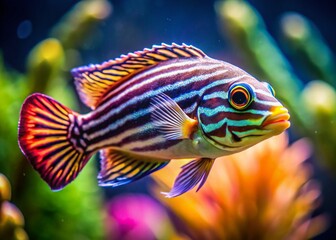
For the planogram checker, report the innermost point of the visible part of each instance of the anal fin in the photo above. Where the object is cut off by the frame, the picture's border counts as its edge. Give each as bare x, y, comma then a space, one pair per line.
119, 168
193, 173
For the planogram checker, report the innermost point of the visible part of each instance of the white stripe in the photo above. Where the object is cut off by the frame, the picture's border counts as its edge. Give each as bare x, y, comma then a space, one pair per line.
118, 138
120, 122
150, 93
144, 143
268, 103
129, 86
267, 93
155, 71
225, 96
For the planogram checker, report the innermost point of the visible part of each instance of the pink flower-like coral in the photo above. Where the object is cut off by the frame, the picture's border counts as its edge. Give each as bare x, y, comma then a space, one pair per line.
137, 216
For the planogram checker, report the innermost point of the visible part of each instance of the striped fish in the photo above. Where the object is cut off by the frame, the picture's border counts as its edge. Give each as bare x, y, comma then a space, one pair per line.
149, 107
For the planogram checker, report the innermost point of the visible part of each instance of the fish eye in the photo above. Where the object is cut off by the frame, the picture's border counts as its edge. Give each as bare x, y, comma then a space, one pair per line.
240, 96
270, 88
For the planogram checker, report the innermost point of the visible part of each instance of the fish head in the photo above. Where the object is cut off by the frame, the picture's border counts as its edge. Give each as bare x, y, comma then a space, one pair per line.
241, 114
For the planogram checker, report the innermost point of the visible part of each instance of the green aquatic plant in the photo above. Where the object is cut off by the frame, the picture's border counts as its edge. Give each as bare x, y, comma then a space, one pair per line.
77, 25
312, 114
304, 42
76, 212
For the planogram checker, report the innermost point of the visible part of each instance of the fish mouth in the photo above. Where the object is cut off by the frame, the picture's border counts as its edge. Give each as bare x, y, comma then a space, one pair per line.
278, 120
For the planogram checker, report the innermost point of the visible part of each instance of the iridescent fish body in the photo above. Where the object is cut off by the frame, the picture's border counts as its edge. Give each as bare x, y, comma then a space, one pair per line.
149, 107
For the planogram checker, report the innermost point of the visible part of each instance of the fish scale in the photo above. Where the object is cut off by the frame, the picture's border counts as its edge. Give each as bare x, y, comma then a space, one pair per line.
166, 103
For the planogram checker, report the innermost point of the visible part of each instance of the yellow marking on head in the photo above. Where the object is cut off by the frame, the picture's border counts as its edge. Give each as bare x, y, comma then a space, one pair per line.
189, 127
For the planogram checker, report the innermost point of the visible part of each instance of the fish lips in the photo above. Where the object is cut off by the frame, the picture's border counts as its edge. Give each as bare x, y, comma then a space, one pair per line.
277, 121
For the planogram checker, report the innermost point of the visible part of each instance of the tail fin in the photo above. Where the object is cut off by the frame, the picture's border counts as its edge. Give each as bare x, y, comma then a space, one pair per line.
50, 138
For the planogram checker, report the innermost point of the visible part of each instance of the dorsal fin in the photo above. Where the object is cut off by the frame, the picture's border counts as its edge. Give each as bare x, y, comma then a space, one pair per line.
93, 81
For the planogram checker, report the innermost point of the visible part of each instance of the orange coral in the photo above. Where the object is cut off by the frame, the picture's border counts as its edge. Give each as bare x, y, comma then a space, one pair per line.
264, 192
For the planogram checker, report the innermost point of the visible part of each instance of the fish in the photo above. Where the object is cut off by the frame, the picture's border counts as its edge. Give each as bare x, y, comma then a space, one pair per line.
148, 108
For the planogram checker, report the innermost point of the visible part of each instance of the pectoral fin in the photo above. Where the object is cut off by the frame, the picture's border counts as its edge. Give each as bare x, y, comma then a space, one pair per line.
170, 119
119, 168
193, 173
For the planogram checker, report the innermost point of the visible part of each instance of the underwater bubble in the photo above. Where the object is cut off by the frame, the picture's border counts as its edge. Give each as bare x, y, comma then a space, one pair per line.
24, 29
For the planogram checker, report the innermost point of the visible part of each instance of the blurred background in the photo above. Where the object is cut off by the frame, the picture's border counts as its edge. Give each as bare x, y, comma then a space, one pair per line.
281, 189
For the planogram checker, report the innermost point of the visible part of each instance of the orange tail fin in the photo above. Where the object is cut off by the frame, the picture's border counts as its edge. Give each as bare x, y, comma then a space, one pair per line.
50, 138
